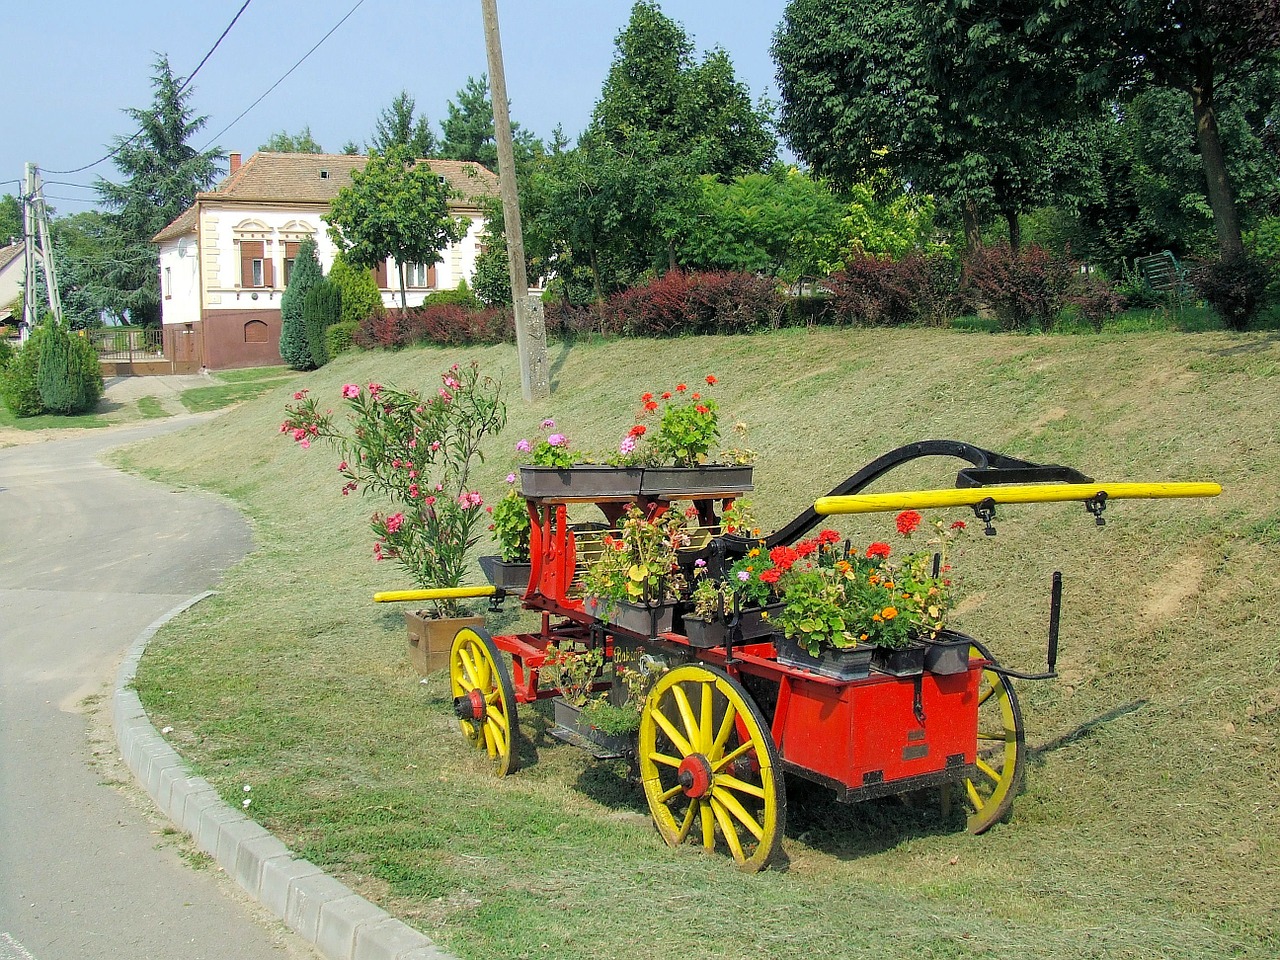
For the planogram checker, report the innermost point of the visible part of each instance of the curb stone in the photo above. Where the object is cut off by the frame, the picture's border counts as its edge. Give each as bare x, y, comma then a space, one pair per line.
327, 914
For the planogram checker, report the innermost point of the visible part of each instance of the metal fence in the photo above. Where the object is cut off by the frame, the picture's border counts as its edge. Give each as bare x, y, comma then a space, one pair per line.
138, 343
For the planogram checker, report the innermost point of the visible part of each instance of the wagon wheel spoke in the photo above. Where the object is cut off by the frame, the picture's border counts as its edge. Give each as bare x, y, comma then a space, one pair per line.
706, 755
486, 699
998, 761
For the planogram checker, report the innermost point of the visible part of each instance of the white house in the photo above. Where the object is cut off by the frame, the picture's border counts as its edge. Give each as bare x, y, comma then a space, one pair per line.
12, 267
225, 261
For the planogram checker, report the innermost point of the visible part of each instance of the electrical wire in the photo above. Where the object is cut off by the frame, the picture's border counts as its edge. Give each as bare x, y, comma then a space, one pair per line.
185, 83
78, 186
332, 29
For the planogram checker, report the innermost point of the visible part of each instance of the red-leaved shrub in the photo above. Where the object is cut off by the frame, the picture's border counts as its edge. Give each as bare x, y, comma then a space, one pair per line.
1024, 288
874, 290
684, 303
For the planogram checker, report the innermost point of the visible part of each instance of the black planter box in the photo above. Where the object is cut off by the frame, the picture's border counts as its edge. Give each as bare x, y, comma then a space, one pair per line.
853, 663
512, 577
947, 653
672, 481
571, 728
580, 482
899, 661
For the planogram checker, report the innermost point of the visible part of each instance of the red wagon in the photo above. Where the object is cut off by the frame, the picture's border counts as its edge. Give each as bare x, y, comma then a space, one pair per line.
723, 725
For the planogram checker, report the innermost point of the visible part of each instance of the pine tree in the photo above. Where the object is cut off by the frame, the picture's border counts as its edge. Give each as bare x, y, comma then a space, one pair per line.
295, 346
61, 391
360, 296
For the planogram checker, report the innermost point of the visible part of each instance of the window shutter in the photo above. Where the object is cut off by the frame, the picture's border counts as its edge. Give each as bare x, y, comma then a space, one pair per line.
268, 273
380, 274
250, 250
291, 250
431, 277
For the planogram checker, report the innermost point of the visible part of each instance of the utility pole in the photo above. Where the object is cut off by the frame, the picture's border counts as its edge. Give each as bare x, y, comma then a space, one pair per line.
531, 330
35, 217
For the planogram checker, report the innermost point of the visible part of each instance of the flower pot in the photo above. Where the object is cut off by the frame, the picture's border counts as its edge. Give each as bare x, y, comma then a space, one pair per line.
582, 482
752, 624
431, 638
571, 728
756, 624
512, 577
905, 661
947, 653
648, 621
844, 663
704, 633
671, 481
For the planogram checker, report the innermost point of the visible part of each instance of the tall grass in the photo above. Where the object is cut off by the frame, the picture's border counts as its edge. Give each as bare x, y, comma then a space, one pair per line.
1148, 826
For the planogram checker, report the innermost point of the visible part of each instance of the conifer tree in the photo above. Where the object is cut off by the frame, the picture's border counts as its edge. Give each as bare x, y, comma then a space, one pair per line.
295, 346
321, 309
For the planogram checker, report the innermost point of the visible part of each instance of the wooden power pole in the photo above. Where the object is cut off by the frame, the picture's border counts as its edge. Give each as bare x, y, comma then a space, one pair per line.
531, 330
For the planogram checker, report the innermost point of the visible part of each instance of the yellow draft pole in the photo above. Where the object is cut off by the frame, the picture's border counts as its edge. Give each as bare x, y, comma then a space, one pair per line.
1015, 493
435, 593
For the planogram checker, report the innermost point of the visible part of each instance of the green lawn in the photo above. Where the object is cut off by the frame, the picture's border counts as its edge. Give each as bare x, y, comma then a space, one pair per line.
1148, 825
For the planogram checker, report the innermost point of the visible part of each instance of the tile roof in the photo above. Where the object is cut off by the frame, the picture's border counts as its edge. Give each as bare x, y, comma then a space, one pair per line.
317, 178
9, 254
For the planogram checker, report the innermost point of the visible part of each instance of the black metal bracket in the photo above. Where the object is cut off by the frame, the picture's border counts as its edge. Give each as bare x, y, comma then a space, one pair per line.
985, 510
1095, 505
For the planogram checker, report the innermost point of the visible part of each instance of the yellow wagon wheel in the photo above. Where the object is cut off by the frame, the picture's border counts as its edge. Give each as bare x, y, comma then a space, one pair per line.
1001, 749
483, 697
710, 768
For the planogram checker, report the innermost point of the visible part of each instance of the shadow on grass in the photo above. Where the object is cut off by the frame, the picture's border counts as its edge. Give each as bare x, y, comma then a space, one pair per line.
1083, 730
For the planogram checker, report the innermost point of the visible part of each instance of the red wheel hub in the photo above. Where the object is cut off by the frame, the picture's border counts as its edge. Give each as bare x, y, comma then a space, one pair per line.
694, 775
470, 706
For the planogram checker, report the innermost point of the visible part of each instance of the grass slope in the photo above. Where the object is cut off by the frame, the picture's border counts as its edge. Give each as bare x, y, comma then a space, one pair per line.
1147, 827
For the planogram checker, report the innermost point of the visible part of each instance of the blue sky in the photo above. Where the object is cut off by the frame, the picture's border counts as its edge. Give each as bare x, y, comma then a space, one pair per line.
98, 60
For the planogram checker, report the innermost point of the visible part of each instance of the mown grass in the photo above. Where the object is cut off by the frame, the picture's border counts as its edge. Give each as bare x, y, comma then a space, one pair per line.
236, 387
1147, 827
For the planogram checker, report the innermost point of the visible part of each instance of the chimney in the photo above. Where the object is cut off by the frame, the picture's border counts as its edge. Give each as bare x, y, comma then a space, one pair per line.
235, 163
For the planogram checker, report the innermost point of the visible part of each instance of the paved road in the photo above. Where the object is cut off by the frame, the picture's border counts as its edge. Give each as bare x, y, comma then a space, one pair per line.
88, 558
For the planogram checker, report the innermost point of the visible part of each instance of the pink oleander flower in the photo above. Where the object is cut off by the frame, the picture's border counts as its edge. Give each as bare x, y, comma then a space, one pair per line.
413, 444
299, 433
430, 501
435, 445
413, 491
300, 395
304, 443
350, 391
395, 522
342, 466
469, 500
375, 389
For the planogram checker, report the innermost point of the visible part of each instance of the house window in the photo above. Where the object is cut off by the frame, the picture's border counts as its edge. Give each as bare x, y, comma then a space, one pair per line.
290, 257
420, 275
255, 268
168, 283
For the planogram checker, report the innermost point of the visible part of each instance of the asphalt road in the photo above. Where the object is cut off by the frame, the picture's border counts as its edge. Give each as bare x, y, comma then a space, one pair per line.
88, 558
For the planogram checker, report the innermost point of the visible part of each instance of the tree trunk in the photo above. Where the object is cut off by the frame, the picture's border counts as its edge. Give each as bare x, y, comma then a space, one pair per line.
1015, 229
595, 277
404, 303
1226, 220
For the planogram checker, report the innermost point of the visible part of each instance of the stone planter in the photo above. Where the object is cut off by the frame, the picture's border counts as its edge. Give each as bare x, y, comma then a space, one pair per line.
431, 639
512, 577
583, 482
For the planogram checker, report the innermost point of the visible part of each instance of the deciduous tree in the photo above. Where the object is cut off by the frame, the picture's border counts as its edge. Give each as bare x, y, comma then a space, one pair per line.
394, 207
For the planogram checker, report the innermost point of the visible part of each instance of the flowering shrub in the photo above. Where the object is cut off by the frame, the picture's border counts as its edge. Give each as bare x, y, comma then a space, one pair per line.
551, 449
416, 452
639, 564
511, 525
689, 424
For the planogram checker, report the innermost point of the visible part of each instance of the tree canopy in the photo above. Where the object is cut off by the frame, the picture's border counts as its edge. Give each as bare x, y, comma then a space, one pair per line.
163, 174
397, 126
285, 142
394, 207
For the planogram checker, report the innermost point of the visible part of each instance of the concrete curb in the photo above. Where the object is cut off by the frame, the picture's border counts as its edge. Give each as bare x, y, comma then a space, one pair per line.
341, 924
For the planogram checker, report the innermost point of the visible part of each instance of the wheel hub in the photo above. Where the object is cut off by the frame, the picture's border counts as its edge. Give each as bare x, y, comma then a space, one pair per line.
470, 706
694, 775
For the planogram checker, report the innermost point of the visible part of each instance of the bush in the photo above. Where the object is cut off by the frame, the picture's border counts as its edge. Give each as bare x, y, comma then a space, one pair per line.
442, 324
339, 338
1024, 289
360, 296
686, 303
459, 297
874, 290
321, 309
1094, 300
1236, 290
18, 383
6, 353
68, 376
492, 278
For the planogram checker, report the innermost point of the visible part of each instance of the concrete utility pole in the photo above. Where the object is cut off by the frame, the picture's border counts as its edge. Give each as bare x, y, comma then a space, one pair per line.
35, 217
531, 330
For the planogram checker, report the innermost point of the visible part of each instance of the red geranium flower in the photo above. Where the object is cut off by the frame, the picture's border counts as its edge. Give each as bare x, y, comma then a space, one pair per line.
958, 525
806, 547
638, 430
878, 550
646, 397
651, 406
783, 558
667, 395
908, 520
770, 576
681, 388
711, 379
701, 409
828, 536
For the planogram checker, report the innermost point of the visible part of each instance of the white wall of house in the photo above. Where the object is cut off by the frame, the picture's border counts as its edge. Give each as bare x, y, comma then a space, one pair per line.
218, 267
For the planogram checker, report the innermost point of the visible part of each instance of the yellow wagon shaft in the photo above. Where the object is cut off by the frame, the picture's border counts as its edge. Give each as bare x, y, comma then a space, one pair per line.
434, 593
1019, 493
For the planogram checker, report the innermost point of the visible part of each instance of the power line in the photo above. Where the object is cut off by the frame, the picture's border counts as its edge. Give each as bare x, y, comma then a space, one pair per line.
332, 29
79, 186
185, 83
